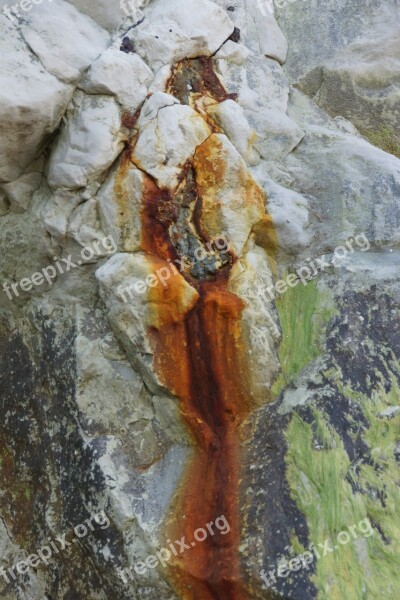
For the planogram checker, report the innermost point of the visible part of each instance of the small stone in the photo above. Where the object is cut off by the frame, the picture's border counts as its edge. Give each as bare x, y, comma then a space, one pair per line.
127, 45
235, 37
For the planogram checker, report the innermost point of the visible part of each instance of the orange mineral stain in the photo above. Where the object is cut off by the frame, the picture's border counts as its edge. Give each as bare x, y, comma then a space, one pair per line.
199, 356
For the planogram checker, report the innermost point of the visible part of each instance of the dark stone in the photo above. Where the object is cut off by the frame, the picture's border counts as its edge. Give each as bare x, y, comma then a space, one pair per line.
127, 45
45, 465
235, 37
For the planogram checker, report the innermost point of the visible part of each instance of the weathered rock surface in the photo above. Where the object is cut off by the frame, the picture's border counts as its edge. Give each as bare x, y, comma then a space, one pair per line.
88, 143
119, 74
29, 115
350, 65
188, 368
361, 83
231, 200
168, 137
232, 120
170, 32
65, 41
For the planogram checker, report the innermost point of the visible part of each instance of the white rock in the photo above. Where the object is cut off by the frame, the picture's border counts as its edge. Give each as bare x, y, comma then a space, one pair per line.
65, 41
233, 52
125, 76
230, 115
161, 78
84, 226
358, 186
57, 211
249, 279
32, 103
88, 144
120, 204
153, 105
107, 13
134, 306
263, 92
289, 212
290, 215
231, 201
177, 29
168, 138
271, 40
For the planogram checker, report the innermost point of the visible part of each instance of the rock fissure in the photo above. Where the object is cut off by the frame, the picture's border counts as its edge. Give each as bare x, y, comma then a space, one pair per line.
199, 356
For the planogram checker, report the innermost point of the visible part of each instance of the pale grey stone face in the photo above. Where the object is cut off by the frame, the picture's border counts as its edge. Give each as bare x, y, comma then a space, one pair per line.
134, 138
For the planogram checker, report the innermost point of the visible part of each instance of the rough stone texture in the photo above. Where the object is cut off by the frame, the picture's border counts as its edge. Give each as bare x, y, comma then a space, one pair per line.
232, 120
88, 144
119, 207
327, 27
170, 32
122, 75
29, 115
169, 136
361, 83
164, 379
350, 64
231, 200
65, 41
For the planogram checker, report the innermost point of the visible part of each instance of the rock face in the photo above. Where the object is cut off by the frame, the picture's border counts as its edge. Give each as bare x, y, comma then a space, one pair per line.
170, 32
199, 301
350, 67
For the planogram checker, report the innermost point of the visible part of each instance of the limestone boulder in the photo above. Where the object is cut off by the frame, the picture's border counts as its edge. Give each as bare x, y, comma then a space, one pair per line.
88, 144
231, 201
230, 115
32, 103
253, 81
169, 135
178, 29
65, 41
125, 76
120, 205
249, 280
362, 84
290, 213
137, 299
270, 37
358, 185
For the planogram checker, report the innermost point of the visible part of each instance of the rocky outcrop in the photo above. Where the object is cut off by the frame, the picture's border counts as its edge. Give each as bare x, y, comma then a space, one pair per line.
199, 299
350, 66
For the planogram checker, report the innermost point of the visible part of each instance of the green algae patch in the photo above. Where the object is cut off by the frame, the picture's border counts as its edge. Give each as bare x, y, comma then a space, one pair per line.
303, 311
335, 494
384, 138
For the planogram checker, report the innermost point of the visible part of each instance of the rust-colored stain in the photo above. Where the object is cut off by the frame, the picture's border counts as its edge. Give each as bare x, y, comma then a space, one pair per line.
128, 120
265, 234
121, 194
194, 82
200, 356
220, 187
195, 77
